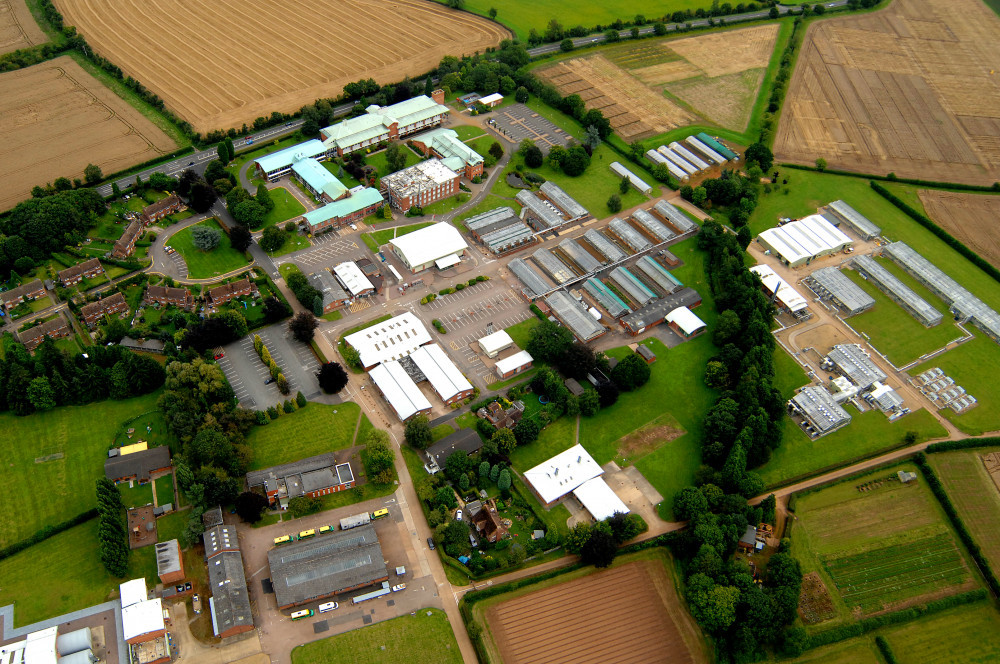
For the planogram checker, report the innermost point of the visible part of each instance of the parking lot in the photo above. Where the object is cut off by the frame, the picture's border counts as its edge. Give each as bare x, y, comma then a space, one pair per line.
519, 122
478, 305
247, 374
328, 250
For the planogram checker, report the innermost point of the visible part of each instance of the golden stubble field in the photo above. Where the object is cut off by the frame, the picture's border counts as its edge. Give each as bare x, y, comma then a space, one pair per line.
913, 89
716, 76
17, 27
972, 218
55, 119
223, 63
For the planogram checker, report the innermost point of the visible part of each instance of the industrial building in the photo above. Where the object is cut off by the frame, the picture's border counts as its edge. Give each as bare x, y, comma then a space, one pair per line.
820, 411
389, 340
583, 258
633, 179
787, 298
658, 274
565, 203
496, 343
539, 213
802, 241
897, 291
651, 225
230, 600
684, 322
438, 245
853, 362
513, 365
143, 627
400, 390
677, 160
169, 562
831, 284
500, 230
311, 477
276, 164
383, 124
338, 562
718, 146
606, 297
690, 156
574, 471
534, 284
47, 646
839, 212
555, 268
675, 218
449, 148
706, 151
885, 398
629, 235
353, 279
444, 377
419, 185
575, 316
611, 251
656, 311
963, 304
333, 294
657, 158
639, 292
353, 208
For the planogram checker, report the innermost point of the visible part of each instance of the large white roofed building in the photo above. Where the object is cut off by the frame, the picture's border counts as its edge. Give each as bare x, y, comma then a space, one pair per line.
439, 244
684, 321
495, 343
353, 279
444, 376
399, 390
799, 242
553, 479
276, 164
599, 499
389, 340
789, 298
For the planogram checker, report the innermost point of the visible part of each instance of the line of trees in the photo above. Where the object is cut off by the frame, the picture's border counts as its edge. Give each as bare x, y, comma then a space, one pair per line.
597, 544
272, 366
112, 534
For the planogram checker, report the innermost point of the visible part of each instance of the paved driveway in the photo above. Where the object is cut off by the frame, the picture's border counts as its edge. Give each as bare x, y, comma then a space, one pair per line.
247, 374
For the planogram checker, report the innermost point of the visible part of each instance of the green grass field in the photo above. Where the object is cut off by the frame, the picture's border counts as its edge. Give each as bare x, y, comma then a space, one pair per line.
381, 165
205, 264
315, 429
286, 207
171, 526
295, 242
136, 495
426, 635
164, 488
68, 481
975, 497
64, 573
376, 239
466, 132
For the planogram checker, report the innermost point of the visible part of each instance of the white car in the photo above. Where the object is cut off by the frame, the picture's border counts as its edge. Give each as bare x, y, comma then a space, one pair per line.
329, 606
354, 227
458, 515
401, 586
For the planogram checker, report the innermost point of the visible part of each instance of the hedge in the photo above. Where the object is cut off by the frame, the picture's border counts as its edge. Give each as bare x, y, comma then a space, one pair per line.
963, 533
942, 234
47, 532
886, 650
538, 312
994, 188
964, 444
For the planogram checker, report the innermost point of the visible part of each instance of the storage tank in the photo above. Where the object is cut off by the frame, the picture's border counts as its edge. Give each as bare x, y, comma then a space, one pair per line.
81, 657
71, 642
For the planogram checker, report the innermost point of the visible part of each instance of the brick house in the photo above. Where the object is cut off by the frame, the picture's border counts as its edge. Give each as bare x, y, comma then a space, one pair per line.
313, 477
57, 328
125, 245
165, 295
445, 145
85, 270
15, 296
108, 306
226, 292
487, 523
158, 210
500, 417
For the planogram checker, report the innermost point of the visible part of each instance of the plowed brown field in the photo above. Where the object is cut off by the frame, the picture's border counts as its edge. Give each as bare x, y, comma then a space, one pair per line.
55, 119
222, 63
972, 218
625, 614
17, 27
912, 89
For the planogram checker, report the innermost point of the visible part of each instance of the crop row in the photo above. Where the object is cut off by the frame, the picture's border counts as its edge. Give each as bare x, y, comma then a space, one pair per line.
924, 546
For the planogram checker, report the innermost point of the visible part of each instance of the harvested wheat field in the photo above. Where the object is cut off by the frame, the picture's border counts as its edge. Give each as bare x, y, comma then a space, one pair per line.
629, 613
912, 89
221, 64
972, 218
716, 76
55, 119
17, 27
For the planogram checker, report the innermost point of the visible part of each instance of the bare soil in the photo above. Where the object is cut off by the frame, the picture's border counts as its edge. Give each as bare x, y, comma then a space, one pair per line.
648, 438
17, 27
225, 63
55, 119
911, 89
971, 218
815, 603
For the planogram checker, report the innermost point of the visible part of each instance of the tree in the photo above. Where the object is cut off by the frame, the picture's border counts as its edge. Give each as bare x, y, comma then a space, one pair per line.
205, 238
503, 481
631, 373
493, 12
526, 431
272, 239
575, 161
505, 441
624, 185
716, 375
608, 393
533, 157
659, 29
303, 326
484, 469
240, 238
821, 164
593, 137
445, 497
496, 150
275, 310
247, 213
626, 526
40, 394
202, 197
111, 533
689, 503
590, 403
566, 45
379, 457
521, 95
92, 174
395, 157
577, 537
116, 191
761, 154
495, 472
263, 198
698, 196
600, 549
463, 482
223, 152
418, 432
548, 341
250, 506
230, 148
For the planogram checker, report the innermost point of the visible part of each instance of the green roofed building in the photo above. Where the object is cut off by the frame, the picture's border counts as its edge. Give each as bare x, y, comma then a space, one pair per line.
383, 124
320, 182
456, 155
354, 207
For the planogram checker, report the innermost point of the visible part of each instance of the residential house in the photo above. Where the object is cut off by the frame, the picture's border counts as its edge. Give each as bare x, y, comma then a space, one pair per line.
85, 270
15, 296
57, 328
125, 246
108, 306
488, 524
158, 210
221, 294
165, 295
502, 414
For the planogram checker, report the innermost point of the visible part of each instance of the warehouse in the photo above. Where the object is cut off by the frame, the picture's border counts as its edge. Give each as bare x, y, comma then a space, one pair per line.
438, 244
717, 145
604, 246
897, 291
574, 316
787, 298
684, 322
677, 160
853, 362
276, 164
496, 343
840, 212
703, 149
668, 282
606, 297
420, 185
399, 390
633, 179
441, 373
583, 258
230, 600
383, 124
501, 231
541, 214
513, 365
456, 155
552, 266
338, 562
800, 242
656, 230
640, 293
629, 235
690, 156
338, 214
822, 414
566, 204
831, 284
353, 279
655, 312
962, 303
674, 217
657, 158
389, 340
535, 284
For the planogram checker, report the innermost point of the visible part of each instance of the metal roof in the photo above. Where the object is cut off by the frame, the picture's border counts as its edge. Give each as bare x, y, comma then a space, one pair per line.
399, 389
389, 340
168, 557
580, 256
574, 316
686, 320
492, 220
636, 181
630, 236
690, 156
668, 282
790, 298
429, 244
899, 292
831, 284
563, 473
500, 229
857, 221
680, 221
446, 143
353, 279
818, 406
852, 361
563, 201
554, 267
598, 499
653, 226
230, 601
601, 243
532, 280
542, 211
317, 178
357, 201
518, 359
711, 154
606, 297
442, 373
656, 311
496, 342
640, 293
282, 159
717, 145
377, 120
676, 159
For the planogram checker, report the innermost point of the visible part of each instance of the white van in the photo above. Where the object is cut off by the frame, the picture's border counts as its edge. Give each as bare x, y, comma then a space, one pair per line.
329, 606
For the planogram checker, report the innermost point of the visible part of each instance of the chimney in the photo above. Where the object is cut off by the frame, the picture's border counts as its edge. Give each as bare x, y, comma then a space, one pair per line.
438, 96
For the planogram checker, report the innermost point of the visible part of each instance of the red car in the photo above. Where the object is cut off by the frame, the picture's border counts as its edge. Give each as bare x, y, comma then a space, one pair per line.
220, 355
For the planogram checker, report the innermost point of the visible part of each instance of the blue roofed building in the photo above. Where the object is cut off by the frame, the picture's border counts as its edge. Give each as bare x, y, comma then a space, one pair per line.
276, 164
321, 183
350, 209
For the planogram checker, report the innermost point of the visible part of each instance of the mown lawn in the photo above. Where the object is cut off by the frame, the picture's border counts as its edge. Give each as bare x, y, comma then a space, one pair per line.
425, 634
376, 239
204, 264
137, 495
974, 365
295, 242
381, 164
171, 526
316, 429
466, 132
68, 482
286, 207
164, 487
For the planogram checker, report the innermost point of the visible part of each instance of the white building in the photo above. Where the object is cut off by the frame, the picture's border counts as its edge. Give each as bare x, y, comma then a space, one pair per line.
599, 499
399, 390
441, 372
382, 124
496, 343
513, 365
800, 242
789, 298
353, 279
563, 473
389, 340
439, 244
685, 322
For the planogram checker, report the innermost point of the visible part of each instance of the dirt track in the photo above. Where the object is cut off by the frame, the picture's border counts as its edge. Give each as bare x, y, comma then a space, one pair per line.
225, 63
911, 89
17, 27
972, 218
55, 119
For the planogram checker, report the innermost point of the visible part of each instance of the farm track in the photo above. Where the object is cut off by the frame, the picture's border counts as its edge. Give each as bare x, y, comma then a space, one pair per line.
18, 28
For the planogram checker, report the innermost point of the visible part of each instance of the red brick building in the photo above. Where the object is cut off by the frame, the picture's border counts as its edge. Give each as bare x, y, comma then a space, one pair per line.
15, 296
158, 210
456, 155
57, 328
169, 562
165, 295
226, 292
313, 477
126, 244
381, 125
85, 270
108, 306
420, 185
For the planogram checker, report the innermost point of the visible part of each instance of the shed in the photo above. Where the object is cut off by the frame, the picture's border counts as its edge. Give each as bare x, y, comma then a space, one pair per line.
496, 343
